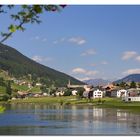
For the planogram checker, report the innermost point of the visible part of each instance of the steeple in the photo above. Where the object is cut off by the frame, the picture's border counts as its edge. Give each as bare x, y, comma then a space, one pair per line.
69, 82
68, 85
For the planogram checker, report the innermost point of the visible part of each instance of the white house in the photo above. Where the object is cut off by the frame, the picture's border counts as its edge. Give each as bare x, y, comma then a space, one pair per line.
22, 83
46, 94
134, 92
38, 84
14, 98
88, 87
97, 94
29, 85
122, 93
74, 92
85, 94
37, 95
59, 93
133, 99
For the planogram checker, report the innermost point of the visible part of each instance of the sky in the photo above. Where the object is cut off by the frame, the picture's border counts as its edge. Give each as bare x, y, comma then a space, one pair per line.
84, 41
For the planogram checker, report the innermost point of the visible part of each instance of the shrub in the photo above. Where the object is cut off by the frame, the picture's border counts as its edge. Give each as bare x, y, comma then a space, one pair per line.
67, 92
15, 95
4, 97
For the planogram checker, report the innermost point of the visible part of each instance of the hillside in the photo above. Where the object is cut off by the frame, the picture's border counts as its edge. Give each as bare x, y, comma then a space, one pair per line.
130, 78
18, 65
97, 82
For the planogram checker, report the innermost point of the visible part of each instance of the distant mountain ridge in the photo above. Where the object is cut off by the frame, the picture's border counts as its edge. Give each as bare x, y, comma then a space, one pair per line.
97, 82
16, 64
129, 78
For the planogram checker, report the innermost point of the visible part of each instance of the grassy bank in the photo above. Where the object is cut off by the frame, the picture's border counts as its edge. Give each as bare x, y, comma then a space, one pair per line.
48, 100
118, 103
2, 109
72, 100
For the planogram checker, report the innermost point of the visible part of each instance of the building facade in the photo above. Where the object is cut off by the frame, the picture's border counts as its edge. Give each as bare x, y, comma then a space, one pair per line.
97, 94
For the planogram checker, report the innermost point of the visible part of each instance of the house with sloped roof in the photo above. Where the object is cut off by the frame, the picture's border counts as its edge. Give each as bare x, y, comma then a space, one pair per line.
74, 92
122, 93
97, 93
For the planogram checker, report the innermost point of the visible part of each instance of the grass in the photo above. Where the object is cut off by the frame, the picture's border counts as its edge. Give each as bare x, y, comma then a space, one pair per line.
73, 100
110, 103
35, 90
25, 88
118, 103
2, 109
4, 75
2, 90
20, 87
48, 100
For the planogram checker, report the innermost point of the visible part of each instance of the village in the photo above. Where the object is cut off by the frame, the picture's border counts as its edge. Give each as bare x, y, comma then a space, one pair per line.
85, 91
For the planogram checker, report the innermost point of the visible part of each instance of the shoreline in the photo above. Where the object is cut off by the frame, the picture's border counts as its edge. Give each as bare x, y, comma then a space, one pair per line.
102, 103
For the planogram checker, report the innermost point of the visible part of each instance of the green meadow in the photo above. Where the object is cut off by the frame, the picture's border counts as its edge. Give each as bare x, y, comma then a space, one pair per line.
75, 100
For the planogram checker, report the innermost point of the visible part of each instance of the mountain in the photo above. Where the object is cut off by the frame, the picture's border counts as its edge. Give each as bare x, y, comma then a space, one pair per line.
97, 82
130, 78
18, 65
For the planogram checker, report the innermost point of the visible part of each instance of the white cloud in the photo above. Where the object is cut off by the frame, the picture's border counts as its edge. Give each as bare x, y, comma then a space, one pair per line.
37, 58
128, 55
77, 40
91, 73
38, 38
35, 38
88, 52
61, 40
138, 58
104, 62
41, 59
83, 79
84, 72
131, 55
79, 71
132, 71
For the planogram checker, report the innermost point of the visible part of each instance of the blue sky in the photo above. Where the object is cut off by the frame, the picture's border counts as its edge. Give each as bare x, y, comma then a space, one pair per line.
84, 41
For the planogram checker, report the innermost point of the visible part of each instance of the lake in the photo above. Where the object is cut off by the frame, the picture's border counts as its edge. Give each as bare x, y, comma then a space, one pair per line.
43, 119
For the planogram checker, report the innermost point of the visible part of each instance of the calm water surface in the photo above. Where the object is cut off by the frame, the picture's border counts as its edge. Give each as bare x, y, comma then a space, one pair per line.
42, 119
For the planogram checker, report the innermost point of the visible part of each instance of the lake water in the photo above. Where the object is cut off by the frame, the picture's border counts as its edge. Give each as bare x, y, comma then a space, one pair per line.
42, 119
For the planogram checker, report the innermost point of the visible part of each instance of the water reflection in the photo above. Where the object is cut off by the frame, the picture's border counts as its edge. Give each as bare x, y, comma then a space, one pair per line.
43, 119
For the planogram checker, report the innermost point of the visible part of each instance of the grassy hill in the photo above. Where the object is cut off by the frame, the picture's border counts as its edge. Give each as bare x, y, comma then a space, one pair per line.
4, 75
18, 65
129, 78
